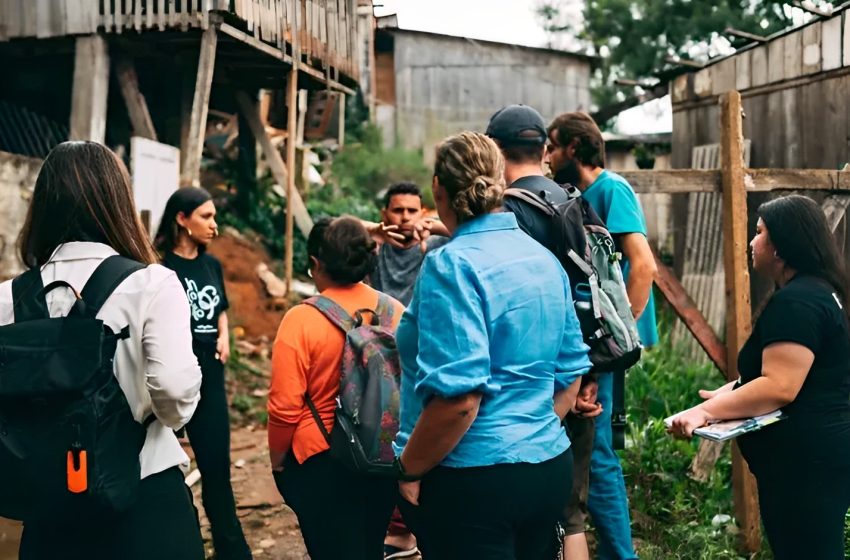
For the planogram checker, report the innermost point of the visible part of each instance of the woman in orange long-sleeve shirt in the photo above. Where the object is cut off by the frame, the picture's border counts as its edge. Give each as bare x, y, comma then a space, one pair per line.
342, 514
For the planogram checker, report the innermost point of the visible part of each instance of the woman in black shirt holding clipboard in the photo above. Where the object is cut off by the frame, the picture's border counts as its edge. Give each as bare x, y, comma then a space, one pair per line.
797, 359
188, 225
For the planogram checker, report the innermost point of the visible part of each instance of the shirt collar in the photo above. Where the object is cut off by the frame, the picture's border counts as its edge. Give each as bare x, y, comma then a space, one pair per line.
80, 250
488, 222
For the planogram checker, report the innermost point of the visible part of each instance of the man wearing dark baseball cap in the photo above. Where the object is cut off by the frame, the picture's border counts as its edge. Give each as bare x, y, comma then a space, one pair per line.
521, 134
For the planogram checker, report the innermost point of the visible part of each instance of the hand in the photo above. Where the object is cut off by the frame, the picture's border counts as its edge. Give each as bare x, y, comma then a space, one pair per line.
686, 422
422, 231
222, 347
705, 394
382, 233
587, 405
410, 491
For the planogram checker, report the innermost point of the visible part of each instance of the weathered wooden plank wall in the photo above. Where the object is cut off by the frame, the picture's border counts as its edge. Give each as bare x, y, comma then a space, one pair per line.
443, 85
324, 30
795, 91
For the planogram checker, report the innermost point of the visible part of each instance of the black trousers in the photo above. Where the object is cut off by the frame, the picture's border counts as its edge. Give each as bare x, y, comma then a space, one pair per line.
501, 512
803, 510
209, 434
342, 514
161, 524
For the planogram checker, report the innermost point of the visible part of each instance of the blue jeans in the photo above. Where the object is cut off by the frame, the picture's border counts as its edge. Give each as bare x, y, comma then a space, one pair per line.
607, 500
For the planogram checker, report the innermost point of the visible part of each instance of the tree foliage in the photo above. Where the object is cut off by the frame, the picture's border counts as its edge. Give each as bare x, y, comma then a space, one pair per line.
634, 37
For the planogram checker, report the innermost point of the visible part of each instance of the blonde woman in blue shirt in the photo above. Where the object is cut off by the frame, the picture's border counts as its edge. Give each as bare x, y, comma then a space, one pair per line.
491, 356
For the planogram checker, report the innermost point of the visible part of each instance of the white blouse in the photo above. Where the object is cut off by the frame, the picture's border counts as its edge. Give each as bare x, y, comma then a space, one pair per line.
155, 367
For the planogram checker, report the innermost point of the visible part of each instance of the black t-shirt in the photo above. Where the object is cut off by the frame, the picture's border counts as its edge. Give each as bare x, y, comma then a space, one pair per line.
203, 281
806, 312
531, 220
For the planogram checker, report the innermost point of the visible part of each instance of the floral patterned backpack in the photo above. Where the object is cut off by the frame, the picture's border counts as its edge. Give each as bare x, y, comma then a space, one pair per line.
366, 417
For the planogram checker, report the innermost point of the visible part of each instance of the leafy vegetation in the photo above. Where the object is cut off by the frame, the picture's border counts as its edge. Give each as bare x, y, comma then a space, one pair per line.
633, 37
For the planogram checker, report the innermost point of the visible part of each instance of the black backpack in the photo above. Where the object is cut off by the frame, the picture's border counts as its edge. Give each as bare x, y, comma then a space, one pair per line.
587, 252
69, 445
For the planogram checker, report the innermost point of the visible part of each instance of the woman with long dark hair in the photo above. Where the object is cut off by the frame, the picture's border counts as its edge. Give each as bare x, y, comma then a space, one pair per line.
81, 214
187, 227
797, 359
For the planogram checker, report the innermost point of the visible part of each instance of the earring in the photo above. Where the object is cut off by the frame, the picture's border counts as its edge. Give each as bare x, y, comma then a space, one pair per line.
189, 231
310, 272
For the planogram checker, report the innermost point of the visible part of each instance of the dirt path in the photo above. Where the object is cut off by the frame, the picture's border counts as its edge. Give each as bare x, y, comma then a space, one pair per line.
270, 527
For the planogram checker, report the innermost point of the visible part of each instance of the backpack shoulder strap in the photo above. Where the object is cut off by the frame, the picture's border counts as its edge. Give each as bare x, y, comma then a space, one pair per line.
106, 277
532, 199
332, 311
385, 310
28, 297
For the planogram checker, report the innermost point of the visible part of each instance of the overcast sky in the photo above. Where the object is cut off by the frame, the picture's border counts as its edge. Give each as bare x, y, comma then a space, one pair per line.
509, 21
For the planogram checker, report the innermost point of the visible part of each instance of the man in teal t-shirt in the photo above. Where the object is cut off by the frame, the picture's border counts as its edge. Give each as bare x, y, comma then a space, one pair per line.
576, 155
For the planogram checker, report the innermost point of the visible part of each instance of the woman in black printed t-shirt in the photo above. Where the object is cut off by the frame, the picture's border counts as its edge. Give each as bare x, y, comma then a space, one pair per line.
797, 359
188, 225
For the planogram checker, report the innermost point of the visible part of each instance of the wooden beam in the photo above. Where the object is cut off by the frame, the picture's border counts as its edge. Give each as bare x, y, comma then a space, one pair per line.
763, 180
738, 319
137, 108
687, 311
190, 168
684, 62
682, 181
673, 181
291, 193
248, 109
745, 35
90, 89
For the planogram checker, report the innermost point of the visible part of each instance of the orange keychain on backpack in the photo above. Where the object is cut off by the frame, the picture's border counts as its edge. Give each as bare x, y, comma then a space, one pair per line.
78, 472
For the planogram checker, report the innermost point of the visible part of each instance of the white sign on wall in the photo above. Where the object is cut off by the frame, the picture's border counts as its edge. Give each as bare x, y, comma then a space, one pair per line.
156, 174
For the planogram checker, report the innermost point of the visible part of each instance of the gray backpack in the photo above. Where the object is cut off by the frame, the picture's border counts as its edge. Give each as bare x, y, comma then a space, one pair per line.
587, 252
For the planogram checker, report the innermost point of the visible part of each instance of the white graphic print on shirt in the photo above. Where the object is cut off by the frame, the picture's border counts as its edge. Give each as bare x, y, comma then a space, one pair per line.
204, 303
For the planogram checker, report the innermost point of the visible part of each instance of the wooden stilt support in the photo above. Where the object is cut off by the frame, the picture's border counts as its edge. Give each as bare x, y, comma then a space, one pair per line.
291, 193
137, 108
248, 108
190, 168
90, 89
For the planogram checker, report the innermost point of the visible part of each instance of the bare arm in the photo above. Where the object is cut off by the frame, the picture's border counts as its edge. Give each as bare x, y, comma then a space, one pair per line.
785, 366
440, 428
642, 270
222, 345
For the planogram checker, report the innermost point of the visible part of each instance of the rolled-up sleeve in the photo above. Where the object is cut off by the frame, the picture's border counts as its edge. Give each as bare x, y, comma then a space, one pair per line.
290, 364
454, 341
573, 360
172, 373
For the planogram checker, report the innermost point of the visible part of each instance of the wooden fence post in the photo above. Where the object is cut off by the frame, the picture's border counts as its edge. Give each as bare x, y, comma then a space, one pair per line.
738, 319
